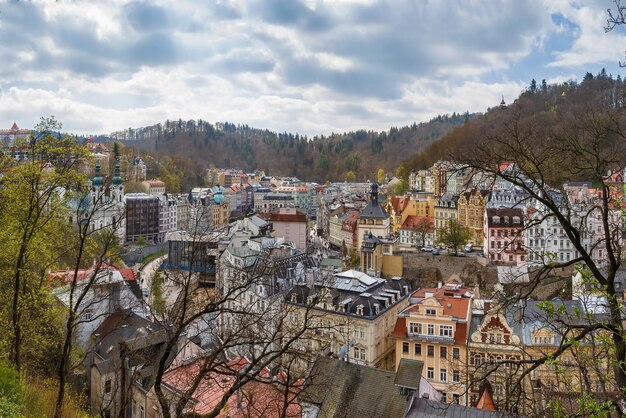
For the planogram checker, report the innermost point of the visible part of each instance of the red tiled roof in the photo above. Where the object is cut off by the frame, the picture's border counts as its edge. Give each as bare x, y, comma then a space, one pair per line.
284, 217
128, 274
460, 336
258, 398
399, 203
414, 222
63, 277
399, 331
485, 402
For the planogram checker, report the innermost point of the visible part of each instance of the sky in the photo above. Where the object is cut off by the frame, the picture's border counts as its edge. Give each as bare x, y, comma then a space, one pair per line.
307, 66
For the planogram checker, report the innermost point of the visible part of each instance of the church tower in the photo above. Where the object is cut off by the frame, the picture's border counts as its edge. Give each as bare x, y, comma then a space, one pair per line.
117, 186
96, 185
373, 218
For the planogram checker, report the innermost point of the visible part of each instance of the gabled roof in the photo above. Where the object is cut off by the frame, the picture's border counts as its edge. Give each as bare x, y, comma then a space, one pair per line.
258, 398
347, 390
412, 222
485, 402
409, 373
399, 203
424, 408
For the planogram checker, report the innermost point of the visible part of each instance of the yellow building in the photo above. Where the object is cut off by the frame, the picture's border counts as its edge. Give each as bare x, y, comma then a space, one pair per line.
493, 338
471, 212
433, 329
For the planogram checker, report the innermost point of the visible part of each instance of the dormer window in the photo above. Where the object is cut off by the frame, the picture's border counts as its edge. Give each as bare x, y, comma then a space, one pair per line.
431, 311
496, 219
359, 310
309, 300
377, 308
516, 220
506, 219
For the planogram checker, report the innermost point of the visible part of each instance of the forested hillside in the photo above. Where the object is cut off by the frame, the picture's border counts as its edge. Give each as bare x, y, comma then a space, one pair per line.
544, 111
315, 159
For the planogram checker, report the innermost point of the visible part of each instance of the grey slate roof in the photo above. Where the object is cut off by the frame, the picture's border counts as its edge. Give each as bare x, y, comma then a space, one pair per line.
373, 208
409, 373
424, 408
346, 390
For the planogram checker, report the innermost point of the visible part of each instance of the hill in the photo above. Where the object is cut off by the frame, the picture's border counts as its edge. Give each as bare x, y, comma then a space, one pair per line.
545, 111
321, 158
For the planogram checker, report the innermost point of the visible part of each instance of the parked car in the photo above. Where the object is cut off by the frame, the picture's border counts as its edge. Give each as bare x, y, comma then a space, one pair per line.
428, 249
461, 254
468, 248
435, 251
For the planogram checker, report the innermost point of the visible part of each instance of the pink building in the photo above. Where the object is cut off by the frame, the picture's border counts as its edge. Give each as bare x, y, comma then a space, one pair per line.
503, 236
290, 224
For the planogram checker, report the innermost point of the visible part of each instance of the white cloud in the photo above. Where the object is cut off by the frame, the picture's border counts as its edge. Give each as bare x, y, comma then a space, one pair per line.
310, 67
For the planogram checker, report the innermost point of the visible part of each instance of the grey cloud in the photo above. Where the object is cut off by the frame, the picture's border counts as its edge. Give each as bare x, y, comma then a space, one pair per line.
361, 82
225, 11
292, 13
155, 49
244, 61
146, 17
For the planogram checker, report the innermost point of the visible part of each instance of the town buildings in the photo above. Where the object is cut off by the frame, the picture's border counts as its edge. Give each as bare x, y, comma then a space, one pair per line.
154, 187
446, 209
142, 218
137, 170
504, 236
290, 224
433, 329
355, 312
471, 210
373, 218
14, 136
107, 200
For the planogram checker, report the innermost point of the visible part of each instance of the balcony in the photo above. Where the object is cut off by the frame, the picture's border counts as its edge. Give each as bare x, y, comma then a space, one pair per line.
437, 339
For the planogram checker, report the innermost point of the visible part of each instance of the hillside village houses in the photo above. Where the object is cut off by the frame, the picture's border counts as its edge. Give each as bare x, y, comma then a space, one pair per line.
369, 314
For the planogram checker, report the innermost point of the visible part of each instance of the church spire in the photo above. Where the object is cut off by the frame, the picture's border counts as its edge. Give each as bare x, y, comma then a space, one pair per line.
374, 194
97, 178
117, 177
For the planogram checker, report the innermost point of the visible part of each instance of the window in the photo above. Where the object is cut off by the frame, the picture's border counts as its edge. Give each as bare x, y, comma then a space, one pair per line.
88, 314
359, 353
430, 374
443, 375
142, 412
443, 352
456, 353
445, 330
359, 332
415, 328
478, 359
431, 329
107, 386
418, 349
431, 351
455, 398
405, 348
431, 311
456, 376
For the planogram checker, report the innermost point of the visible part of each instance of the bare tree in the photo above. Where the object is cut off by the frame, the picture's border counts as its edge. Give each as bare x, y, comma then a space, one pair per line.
540, 160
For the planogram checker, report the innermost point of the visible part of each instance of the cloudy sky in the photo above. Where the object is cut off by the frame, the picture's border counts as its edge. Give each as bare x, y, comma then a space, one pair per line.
308, 66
